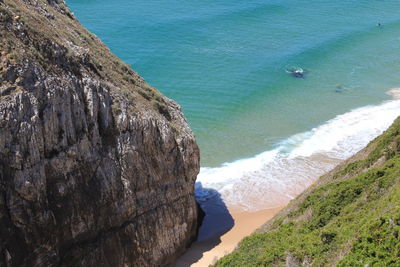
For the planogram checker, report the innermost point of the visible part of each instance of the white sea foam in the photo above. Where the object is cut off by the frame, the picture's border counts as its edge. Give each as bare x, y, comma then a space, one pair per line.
274, 177
394, 92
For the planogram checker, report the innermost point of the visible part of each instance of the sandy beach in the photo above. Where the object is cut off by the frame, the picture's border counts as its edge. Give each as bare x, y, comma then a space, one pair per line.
223, 228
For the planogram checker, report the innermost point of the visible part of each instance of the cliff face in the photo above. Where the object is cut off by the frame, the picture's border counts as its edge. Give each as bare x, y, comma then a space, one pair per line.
96, 167
349, 217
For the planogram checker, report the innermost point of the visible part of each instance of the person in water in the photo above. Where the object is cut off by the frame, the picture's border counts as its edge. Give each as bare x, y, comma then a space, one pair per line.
298, 73
339, 88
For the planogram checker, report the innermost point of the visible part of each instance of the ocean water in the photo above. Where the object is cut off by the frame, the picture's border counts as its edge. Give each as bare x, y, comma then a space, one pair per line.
264, 135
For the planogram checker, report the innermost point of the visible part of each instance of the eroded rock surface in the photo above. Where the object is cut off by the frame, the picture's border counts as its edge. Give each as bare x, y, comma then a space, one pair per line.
96, 167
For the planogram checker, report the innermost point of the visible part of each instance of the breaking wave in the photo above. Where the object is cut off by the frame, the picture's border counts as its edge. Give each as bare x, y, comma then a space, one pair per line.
274, 177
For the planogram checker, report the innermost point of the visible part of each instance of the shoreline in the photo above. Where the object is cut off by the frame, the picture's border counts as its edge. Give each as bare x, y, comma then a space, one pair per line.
222, 231
224, 227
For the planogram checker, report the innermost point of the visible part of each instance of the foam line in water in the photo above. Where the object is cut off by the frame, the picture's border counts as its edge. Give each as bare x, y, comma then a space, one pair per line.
274, 177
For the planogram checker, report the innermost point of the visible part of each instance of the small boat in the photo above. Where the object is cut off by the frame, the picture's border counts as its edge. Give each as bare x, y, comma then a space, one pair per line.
298, 73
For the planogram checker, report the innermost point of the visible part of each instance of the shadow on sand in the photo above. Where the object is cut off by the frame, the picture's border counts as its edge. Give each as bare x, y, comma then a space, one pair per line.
216, 222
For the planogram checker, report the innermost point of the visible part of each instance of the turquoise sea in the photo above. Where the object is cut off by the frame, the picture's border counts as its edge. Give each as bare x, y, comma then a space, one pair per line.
224, 62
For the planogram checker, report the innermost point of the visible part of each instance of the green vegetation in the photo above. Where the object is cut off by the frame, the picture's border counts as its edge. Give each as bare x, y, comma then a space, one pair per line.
350, 218
5, 15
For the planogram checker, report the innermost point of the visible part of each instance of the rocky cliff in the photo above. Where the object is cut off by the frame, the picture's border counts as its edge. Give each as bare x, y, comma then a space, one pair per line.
96, 167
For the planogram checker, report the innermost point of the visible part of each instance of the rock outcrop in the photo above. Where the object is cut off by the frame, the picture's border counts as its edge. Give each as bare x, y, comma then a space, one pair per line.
96, 167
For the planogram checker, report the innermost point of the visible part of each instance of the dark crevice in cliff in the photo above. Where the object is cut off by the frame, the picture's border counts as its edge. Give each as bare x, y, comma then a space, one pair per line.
108, 133
200, 219
5, 175
11, 239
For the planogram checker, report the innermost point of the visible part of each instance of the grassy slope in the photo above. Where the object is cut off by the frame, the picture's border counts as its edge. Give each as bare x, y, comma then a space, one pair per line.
351, 217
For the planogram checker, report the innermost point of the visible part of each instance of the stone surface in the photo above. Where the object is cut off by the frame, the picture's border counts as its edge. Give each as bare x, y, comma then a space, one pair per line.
96, 167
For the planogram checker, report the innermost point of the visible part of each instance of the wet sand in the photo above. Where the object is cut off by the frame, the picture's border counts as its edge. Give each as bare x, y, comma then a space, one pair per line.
223, 228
